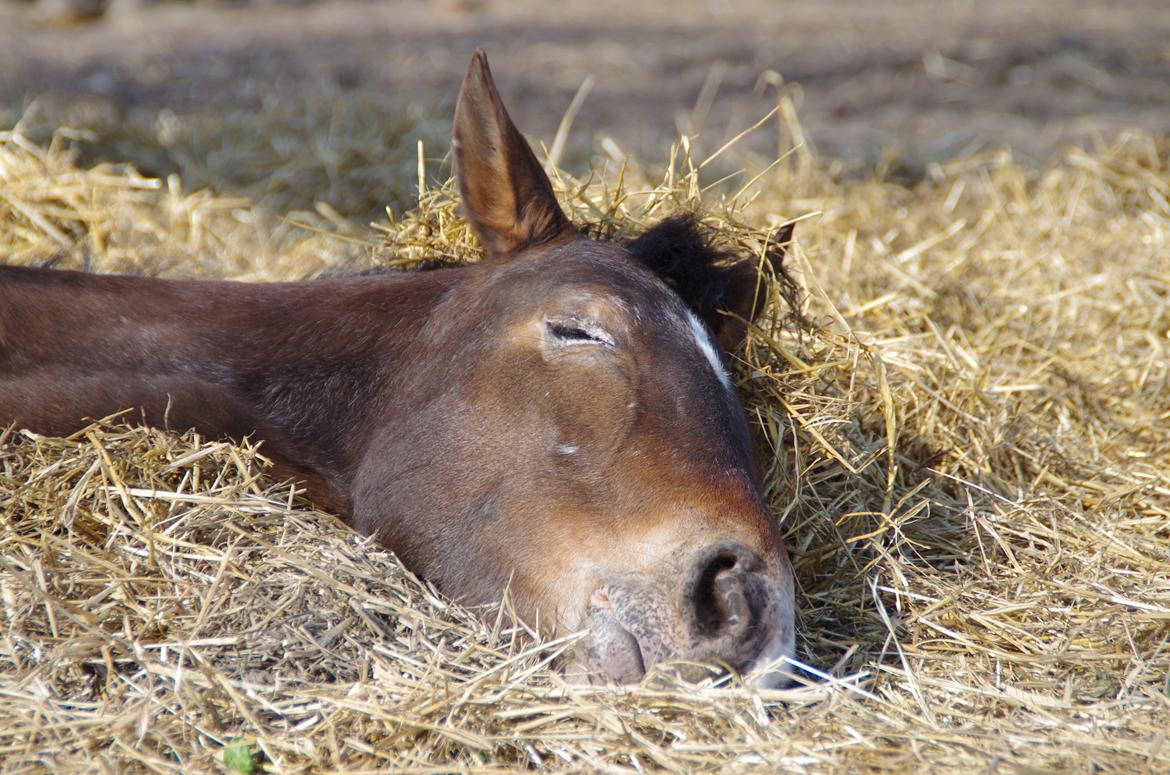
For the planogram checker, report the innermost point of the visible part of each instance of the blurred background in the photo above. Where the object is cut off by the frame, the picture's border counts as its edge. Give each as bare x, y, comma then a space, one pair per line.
171, 86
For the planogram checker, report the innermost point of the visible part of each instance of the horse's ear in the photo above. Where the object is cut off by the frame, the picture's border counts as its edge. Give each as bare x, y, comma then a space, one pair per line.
745, 292
507, 198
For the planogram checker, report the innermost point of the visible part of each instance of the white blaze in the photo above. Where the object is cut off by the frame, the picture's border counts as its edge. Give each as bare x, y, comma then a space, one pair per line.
707, 346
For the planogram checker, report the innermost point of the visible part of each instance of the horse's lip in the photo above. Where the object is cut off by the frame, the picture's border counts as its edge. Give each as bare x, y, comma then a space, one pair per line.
635, 655
614, 651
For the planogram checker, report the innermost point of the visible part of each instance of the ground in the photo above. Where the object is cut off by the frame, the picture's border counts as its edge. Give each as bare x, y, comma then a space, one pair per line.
927, 79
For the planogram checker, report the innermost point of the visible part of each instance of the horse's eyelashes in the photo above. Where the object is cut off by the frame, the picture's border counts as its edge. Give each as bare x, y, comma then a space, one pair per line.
571, 332
578, 332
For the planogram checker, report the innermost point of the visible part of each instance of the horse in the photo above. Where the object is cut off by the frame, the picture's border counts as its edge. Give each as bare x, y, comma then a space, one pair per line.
555, 421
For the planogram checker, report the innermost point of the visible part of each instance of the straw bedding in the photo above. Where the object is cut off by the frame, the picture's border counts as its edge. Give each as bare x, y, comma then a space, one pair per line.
961, 399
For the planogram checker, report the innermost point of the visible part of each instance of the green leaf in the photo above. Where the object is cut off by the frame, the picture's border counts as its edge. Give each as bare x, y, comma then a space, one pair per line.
237, 755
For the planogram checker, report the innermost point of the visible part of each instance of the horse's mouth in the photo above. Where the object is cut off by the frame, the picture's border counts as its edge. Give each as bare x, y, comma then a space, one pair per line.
611, 650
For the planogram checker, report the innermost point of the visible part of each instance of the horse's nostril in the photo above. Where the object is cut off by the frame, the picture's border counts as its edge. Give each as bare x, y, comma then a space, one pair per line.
718, 594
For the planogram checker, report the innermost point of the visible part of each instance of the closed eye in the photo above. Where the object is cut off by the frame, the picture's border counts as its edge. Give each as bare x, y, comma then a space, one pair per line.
573, 331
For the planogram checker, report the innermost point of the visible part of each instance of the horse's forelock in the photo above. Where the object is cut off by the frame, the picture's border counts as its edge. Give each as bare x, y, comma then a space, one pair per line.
680, 251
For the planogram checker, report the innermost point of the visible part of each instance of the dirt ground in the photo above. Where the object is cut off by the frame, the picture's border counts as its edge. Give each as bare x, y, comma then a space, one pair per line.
924, 78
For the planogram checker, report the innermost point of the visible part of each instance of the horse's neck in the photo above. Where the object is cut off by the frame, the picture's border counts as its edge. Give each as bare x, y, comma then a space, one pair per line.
291, 363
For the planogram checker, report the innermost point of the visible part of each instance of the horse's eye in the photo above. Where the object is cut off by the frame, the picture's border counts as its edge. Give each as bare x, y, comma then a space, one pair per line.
578, 332
570, 332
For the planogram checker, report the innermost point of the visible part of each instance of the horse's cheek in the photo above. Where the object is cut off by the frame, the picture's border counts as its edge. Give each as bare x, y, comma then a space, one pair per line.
592, 414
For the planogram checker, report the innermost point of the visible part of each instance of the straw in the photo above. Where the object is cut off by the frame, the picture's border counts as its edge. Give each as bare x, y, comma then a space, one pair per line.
959, 391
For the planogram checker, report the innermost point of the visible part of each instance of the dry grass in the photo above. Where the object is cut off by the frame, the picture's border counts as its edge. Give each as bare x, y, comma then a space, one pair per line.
966, 425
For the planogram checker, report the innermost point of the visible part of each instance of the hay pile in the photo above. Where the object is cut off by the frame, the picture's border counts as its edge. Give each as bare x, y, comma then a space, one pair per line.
966, 425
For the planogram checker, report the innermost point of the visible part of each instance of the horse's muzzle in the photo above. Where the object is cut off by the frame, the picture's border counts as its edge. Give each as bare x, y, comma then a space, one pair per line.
733, 610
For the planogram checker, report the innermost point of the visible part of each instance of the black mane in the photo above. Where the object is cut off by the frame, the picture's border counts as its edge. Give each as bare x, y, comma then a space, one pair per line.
679, 250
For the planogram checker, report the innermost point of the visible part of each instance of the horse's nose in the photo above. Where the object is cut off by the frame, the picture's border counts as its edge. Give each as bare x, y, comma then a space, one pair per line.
722, 602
